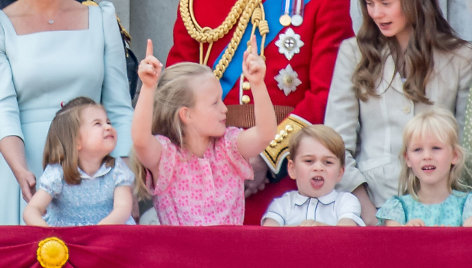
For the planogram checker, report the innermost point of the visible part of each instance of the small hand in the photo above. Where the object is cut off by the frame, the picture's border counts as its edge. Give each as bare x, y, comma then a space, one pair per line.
27, 182
311, 223
254, 67
415, 222
467, 222
150, 68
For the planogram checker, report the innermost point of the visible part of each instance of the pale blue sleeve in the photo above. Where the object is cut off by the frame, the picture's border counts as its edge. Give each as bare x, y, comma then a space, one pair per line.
9, 112
391, 210
122, 175
52, 180
467, 211
115, 91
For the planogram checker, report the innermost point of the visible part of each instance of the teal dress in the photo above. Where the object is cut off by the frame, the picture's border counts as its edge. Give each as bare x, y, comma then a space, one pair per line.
451, 212
39, 71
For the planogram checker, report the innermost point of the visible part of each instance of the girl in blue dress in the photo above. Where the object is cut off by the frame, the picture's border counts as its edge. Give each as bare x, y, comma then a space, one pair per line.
432, 162
81, 184
52, 51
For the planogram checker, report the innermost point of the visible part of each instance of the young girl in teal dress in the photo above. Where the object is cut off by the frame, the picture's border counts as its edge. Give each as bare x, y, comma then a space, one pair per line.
81, 184
432, 162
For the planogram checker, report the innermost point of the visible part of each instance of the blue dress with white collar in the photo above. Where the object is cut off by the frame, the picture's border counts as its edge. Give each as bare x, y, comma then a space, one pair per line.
88, 202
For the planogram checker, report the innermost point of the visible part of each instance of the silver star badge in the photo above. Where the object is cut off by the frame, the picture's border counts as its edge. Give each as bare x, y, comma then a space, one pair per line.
287, 80
289, 43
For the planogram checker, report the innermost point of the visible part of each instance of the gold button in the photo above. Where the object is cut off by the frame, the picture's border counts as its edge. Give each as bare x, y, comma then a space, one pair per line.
285, 20
278, 138
283, 133
246, 85
245, 99
273, 143
289, 128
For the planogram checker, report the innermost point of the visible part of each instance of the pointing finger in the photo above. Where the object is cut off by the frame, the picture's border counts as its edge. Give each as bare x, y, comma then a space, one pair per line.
149, 48
253, 45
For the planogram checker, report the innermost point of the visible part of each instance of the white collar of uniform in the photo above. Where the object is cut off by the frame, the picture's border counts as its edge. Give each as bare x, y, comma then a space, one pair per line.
325, 199
102, 171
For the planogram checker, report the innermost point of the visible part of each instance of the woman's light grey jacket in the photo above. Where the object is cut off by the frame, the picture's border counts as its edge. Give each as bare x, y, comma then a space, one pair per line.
372, 130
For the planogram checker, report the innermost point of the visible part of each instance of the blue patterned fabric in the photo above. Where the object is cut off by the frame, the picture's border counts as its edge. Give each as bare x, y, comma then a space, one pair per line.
86, 203
451, 212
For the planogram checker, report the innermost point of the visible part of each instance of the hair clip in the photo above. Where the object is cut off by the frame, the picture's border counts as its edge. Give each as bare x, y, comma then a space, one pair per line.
62, 104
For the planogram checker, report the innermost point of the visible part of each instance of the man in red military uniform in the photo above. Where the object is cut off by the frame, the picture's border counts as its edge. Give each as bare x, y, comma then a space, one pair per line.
299, 40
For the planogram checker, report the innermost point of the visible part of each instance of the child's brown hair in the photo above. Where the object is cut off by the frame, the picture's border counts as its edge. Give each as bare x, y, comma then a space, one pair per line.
324, 135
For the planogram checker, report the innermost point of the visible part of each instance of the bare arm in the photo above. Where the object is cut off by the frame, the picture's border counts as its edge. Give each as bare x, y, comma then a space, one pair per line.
368, 209
147, 148
392, 223
346, 222
13, 150
36, 208
414, 222
308, 223
254, 140
122, 206
270, 222
468, 222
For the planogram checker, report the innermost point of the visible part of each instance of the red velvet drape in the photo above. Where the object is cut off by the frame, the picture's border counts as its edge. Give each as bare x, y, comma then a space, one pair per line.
243, 246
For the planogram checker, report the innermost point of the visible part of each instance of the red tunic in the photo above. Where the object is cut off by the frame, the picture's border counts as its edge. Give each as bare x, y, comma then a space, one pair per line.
326, 23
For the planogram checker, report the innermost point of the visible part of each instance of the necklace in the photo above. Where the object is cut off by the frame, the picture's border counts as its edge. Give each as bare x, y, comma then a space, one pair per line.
51, 21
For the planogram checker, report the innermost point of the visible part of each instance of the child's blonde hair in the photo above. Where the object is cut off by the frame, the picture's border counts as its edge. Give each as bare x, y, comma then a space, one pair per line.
62, 138
172, 93
324, 135
442, 124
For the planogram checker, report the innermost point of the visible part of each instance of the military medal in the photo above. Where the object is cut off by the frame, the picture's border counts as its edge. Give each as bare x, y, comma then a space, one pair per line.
297, 18
289, 43
287, 80
285, 19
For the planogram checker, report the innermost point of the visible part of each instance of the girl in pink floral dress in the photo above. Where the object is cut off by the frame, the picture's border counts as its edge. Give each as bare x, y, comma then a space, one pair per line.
196, 166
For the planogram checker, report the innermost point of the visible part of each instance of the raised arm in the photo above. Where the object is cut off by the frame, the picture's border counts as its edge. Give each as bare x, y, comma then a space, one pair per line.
147, 147
254, 140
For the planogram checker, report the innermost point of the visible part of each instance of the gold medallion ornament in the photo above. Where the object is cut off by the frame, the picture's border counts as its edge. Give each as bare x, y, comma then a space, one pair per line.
242, 12
285, 20
52, 252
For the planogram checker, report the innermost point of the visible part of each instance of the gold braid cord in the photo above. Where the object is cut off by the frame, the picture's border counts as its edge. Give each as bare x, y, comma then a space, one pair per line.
242, 10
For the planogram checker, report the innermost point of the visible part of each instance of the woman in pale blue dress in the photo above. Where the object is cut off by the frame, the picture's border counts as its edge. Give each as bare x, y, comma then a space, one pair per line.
46, 61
